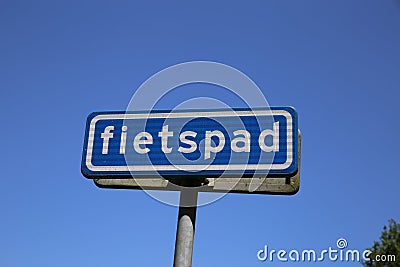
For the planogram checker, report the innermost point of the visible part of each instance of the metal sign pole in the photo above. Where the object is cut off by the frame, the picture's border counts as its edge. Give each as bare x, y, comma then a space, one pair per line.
185, 228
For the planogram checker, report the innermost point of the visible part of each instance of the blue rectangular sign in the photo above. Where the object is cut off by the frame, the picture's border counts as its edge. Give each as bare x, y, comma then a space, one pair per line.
198, 143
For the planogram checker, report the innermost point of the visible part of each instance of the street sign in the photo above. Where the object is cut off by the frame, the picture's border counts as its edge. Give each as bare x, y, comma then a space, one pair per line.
234, 143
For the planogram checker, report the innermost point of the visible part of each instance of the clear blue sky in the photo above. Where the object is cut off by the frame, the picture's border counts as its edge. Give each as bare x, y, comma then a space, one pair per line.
336, 62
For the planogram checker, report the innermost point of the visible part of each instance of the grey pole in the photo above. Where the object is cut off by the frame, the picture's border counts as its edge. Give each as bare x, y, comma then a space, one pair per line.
185, 228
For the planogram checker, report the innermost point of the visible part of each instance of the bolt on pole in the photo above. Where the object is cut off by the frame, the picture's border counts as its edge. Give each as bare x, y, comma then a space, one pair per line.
185, 229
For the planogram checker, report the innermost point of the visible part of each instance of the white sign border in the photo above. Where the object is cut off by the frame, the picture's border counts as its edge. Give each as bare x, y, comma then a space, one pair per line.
210, 114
